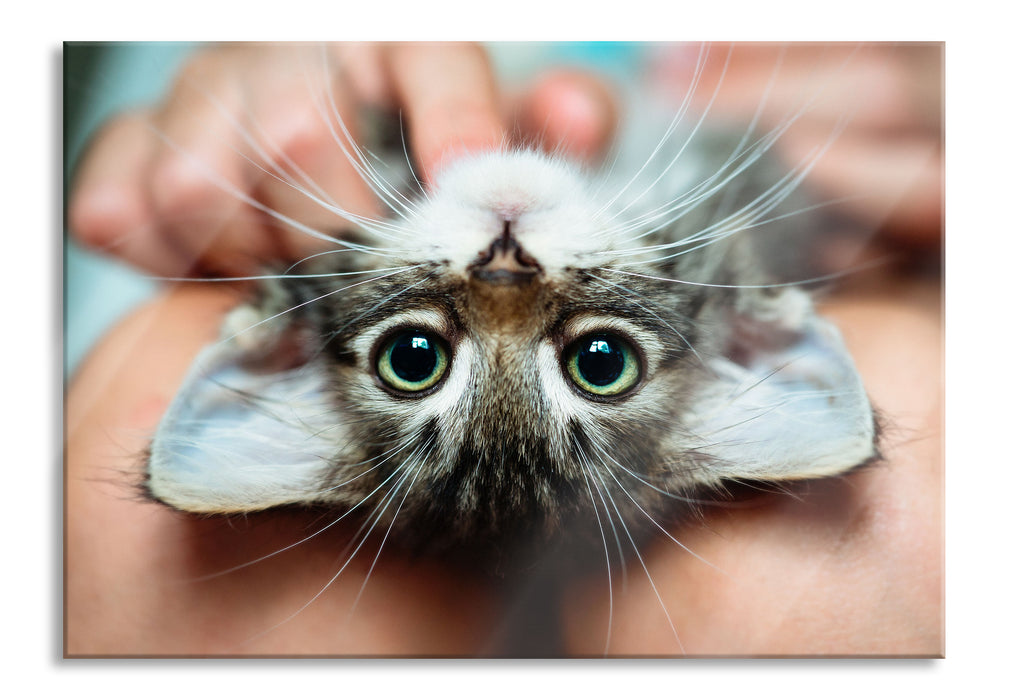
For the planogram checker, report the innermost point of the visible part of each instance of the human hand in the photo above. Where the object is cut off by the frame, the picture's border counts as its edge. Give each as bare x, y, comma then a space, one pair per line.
181, 187
886, 163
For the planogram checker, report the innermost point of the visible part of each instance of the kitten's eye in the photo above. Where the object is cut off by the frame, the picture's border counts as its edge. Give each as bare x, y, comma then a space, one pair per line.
603, 364
412, 361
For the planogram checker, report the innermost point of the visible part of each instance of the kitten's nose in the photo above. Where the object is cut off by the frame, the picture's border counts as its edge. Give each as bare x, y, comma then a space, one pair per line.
505, 261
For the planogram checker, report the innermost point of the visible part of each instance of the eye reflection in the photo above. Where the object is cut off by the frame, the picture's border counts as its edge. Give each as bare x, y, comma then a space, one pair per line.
602, 364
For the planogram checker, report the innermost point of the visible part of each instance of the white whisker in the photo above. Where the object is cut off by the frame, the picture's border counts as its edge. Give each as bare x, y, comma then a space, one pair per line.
318, 532
312, 301
285, 275
644, 567
376, 517
777, 285
589, 483
361, 164
416, 469
221, 183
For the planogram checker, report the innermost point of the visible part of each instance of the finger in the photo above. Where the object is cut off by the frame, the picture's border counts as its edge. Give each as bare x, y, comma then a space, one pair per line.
202, 177
362, 63
312, 170
451, 103
110, 207
569, 111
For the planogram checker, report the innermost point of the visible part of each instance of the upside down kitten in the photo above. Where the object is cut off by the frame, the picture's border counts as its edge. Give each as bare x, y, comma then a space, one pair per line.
529, 347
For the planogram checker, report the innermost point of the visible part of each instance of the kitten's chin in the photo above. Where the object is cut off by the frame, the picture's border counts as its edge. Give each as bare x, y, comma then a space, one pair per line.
537, 204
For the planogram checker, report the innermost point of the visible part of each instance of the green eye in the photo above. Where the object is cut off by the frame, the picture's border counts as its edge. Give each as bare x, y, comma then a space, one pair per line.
412, 361
603, 364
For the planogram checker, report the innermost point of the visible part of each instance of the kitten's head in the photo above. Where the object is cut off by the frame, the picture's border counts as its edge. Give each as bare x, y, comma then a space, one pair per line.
526, 354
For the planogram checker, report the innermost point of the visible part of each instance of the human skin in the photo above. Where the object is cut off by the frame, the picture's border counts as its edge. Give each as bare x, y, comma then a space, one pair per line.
854, 566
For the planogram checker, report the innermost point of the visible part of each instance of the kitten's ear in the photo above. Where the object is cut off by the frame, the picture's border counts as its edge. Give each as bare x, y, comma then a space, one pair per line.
783, 400
248, 430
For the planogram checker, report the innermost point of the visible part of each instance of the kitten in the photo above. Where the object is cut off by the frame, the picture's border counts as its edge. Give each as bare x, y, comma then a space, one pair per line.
529, 351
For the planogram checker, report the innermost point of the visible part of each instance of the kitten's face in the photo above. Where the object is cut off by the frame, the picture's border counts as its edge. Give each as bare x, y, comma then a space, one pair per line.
511, 371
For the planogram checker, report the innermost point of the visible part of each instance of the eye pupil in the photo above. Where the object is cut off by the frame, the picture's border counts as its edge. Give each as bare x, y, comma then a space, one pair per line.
413, 358
600, 362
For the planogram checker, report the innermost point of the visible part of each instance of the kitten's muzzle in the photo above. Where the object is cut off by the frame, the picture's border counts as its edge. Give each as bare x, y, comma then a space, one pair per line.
505, 262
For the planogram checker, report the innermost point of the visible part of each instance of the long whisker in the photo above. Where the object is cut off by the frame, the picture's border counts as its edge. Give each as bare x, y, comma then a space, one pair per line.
279, 172
647, 514
285, 275
409, 161
690, 137
416, 469
361, 164
386, 500
312, 301
708, 187
221, 183
644, 568
589, 483
777, 285
701, 61
741, 219
318, 532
